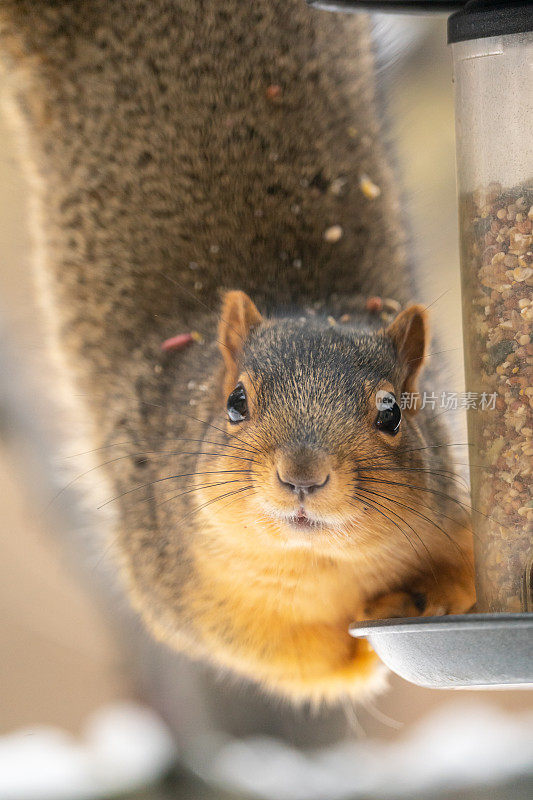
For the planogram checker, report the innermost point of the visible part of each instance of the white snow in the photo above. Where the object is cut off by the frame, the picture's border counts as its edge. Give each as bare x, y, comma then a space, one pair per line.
463, 744
124, 748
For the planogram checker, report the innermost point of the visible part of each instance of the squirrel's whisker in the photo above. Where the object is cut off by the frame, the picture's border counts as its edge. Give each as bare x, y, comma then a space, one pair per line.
380, 716
187, 415
253, 439
448, 474
354, 724
436, 353
145, 453
416, 449
372, 505
124, 397
441, 295
226, 505
390, 459
419, 514
216, 428
170, 478
170, 493
424, 505
430, 558
426, 489
445, 411
198, 488
215, 500
162, 439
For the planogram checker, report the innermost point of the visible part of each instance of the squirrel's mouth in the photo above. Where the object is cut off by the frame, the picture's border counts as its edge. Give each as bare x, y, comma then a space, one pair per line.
300, 520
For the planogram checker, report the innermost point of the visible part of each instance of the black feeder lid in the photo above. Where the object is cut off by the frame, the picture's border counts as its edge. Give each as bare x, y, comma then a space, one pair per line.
473, 19
467, 651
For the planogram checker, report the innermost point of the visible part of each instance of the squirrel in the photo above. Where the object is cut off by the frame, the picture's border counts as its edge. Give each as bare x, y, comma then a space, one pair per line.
221, 166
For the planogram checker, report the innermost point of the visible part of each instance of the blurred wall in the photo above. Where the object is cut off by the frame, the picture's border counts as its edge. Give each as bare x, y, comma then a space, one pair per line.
58, 660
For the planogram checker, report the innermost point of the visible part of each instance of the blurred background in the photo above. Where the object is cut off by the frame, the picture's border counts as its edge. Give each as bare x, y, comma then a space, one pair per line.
75, 690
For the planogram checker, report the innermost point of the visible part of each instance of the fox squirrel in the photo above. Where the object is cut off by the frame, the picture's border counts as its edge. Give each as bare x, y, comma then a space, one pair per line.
266, 497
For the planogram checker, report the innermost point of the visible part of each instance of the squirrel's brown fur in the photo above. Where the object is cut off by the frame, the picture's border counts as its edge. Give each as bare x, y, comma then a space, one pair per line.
170, 170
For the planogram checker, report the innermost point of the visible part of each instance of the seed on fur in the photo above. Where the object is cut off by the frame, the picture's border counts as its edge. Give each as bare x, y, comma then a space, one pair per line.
374, 305
333, 234
179, 342
274, 92
389, 304
338, 186
368, 187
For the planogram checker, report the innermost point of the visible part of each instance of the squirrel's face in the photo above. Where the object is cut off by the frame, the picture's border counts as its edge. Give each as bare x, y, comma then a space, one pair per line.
313, 419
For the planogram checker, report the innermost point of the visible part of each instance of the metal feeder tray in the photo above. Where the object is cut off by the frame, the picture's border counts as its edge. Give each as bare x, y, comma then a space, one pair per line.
463, 651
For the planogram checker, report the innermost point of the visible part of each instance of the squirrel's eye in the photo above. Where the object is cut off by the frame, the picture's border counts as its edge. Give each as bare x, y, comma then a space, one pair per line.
388, 419
237, 405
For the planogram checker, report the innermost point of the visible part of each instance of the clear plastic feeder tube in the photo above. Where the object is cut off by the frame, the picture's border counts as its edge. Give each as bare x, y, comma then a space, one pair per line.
494, 134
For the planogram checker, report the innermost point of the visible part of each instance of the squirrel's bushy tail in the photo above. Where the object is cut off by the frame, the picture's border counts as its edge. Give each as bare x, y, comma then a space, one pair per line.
223, 143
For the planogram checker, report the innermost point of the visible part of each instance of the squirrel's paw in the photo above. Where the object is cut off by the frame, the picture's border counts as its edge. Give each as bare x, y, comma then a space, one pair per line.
396, 604
420, 602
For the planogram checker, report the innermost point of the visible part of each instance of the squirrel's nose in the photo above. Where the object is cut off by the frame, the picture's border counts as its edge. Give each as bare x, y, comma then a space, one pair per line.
301, 486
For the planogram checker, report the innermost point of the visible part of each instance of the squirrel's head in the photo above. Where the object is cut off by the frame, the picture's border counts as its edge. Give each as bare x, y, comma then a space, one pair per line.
316, 438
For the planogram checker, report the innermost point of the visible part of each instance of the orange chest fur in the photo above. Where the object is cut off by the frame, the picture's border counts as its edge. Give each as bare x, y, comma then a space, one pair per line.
284, 587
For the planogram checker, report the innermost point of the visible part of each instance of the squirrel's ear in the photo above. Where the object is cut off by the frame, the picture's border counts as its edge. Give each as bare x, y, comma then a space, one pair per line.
238, 317
410, 334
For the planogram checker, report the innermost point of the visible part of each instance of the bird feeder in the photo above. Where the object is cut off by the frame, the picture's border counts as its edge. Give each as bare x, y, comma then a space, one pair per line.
492, 49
